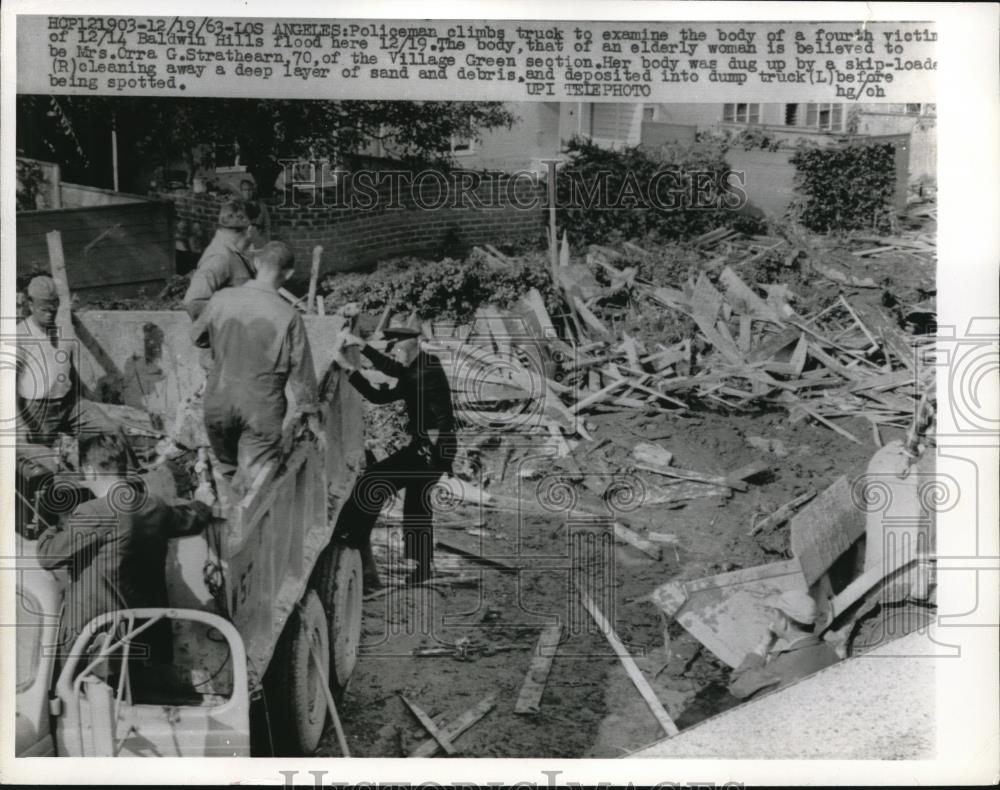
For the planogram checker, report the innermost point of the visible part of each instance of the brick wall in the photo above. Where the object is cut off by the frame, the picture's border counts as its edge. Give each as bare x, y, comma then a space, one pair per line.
362, 223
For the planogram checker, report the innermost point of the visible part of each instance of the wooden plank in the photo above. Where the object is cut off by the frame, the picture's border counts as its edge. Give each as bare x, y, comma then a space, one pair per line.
745, 339
770, 346
628, 663
317, 257
589, 318
742, 298
534, 303
782, 514
503, 566
530, 698
681, 490
626, 535
690, 474
579, 406
825, 529
428, 724
456, 727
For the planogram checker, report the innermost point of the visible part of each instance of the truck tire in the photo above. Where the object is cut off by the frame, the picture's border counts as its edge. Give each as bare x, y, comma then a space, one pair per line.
296, 702
337, 579
885, 622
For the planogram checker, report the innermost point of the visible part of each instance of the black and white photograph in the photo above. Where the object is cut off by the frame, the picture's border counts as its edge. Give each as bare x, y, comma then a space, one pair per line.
522, 389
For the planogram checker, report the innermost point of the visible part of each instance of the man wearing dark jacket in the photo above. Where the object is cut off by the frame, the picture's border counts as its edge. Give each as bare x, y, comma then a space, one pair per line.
788, 652
422, 385
114, 546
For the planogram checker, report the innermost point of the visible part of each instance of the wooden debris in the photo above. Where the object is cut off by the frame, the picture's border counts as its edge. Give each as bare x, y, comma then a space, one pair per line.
652, 454
752, 469
626, 535
442, 739
782, 514
690, 474
456, 728
529, 700
476, 557
628, 663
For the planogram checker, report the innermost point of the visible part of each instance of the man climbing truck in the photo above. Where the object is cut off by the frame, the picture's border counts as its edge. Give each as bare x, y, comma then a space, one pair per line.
260, 601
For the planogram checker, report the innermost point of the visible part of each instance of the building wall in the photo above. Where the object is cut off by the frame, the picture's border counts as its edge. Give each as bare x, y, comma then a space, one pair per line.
353, 238
535, 136
921, 128
123, 246
80, 196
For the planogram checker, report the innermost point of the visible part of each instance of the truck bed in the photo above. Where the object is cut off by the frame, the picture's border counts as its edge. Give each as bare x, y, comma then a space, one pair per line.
270, 540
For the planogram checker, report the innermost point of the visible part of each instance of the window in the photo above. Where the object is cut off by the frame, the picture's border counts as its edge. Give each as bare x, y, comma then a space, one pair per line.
825, 117
741, 113
649, 113
791, 115
921, 109
462, 145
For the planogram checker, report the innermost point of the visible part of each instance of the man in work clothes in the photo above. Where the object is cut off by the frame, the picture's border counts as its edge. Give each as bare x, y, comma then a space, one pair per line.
224, 263
48, 388
421, 383
258, 345
114, 546
789, 651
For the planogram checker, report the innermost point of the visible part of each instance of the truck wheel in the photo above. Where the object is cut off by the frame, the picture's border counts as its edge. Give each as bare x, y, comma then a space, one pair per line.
338, 581
887, 622
295, 694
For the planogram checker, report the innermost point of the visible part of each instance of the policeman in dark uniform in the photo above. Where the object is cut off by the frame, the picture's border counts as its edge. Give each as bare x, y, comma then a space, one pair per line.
421, 383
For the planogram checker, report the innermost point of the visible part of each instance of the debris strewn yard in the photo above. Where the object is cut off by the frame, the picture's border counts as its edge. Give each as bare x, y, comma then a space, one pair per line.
682, 423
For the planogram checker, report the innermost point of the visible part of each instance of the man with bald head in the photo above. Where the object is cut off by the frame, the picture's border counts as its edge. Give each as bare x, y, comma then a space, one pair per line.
258, 345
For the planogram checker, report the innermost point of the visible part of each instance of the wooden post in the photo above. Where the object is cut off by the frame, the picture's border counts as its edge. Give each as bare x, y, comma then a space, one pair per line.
313, 277
57, 265
553, 238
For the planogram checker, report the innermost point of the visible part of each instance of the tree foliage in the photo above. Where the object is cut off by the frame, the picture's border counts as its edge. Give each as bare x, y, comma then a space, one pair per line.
846, 187
671, 192
164, 130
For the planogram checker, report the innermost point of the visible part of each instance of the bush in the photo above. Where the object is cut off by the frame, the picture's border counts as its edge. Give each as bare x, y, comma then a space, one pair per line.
672, 192
443, 290
847, 187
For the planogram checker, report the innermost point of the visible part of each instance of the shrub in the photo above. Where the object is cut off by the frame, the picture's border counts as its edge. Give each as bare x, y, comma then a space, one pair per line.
632, 192
443, 290
846, 187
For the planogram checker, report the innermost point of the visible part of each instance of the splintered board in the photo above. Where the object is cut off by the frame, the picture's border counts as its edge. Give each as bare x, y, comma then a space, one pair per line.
727, 612
825, 529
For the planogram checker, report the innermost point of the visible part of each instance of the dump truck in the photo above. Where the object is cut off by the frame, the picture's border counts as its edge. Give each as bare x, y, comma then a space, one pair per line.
261, 605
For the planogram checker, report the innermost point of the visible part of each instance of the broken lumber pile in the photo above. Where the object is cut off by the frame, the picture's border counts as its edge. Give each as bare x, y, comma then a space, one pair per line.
547, 367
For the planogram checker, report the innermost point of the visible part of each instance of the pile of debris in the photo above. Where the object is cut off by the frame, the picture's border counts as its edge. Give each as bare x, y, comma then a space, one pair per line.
747, 349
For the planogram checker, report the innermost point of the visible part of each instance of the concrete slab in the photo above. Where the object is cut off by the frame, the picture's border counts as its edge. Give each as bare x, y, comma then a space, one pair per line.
879, 706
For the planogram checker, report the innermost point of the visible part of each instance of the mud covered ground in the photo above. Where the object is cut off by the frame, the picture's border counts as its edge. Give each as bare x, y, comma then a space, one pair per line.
589, 707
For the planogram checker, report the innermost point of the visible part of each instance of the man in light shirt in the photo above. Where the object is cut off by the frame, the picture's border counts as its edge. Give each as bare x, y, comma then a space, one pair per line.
49, 400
